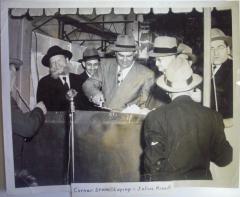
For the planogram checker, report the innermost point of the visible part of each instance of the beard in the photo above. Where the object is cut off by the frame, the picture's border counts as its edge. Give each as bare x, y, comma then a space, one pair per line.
55, 74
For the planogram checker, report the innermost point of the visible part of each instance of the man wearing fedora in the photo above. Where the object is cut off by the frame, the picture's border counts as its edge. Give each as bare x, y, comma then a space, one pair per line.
120, 82
222, 73
165, 50
24, 125
52, 88
183, 137
90, 63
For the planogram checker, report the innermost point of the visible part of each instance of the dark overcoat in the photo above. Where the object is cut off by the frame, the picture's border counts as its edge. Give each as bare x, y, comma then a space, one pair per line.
224, 89
181, 139
53, 93
24, 125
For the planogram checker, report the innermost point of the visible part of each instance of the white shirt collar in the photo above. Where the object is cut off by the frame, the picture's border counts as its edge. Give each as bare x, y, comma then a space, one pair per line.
125, 71
215, 68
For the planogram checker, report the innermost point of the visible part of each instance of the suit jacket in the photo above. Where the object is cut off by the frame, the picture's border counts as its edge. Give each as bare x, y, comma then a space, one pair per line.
134, 89
53, 94
224, 90
181, 139
24, 125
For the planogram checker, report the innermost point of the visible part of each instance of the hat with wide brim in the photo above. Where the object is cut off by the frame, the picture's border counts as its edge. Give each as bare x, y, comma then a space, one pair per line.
164, 46
55, 50
217, 34
124, 43
16, 62
196, 80
179, 77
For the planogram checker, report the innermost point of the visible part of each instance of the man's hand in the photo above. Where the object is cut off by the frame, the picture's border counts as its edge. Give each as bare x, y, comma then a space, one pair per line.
98, 99
134, 109
42, 107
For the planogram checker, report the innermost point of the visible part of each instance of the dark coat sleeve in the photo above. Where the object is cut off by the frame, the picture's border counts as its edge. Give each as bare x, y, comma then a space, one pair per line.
221, 151
42, 92
26, 124
155, 149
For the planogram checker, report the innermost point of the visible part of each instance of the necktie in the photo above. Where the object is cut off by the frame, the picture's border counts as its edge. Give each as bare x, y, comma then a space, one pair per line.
66, 87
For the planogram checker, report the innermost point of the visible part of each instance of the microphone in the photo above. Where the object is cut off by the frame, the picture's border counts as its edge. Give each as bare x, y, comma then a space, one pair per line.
70, 96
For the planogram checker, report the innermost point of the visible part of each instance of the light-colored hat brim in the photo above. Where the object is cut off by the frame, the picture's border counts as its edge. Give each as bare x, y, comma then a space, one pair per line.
228, 39
153, 54
122, 49
196, 81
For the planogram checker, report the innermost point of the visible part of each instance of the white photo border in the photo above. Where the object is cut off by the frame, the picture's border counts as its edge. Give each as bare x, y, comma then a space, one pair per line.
5, 76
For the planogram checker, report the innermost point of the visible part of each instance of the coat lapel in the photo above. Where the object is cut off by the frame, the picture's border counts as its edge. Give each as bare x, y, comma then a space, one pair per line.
121, 95
111, 85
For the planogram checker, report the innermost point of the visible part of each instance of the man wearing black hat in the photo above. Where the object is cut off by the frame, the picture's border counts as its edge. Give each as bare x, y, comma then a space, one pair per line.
24, 125
52, 88
120, 82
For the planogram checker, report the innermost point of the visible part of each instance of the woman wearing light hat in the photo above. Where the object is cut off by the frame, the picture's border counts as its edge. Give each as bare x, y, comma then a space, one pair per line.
183, 137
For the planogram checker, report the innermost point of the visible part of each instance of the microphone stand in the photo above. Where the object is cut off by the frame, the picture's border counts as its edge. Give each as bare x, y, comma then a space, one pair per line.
70, 96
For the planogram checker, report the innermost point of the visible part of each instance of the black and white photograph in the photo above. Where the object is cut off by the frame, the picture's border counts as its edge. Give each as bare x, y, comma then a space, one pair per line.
125, 95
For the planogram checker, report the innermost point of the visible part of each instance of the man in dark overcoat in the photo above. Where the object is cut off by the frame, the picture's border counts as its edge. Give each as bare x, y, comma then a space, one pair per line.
52, 88
222, 73
183, 137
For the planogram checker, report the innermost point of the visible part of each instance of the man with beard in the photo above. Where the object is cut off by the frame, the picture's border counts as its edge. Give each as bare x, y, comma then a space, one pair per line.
52, 88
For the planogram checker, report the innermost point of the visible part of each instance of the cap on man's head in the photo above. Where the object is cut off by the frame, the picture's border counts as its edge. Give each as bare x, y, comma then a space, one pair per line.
16, 62
125, 43
90, 54
164, 46
179, 77
217, 34
55, 50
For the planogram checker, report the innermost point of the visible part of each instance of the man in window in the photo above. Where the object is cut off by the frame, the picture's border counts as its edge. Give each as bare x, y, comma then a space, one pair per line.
222, 76
120, 82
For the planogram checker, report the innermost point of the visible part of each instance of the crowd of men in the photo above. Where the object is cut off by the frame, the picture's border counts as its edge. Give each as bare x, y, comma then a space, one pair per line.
181, 136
